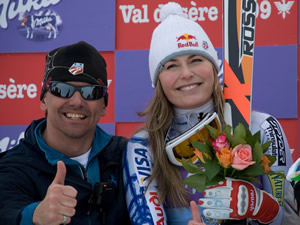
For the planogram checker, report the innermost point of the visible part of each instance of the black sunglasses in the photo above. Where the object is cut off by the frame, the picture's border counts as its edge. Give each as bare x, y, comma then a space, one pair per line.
65, 90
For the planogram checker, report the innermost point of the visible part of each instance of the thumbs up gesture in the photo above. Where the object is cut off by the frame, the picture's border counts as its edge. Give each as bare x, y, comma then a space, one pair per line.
59, 203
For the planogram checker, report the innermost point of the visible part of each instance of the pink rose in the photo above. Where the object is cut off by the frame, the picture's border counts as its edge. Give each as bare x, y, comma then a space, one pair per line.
241, 157
220, 143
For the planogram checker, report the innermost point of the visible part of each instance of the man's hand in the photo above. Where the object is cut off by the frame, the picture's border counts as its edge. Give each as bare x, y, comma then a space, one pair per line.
59, 201
238, 199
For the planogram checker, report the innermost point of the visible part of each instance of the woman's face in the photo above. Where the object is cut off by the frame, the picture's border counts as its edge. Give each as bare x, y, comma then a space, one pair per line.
188, 81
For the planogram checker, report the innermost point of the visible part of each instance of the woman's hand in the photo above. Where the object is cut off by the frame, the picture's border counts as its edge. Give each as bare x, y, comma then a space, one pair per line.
196, 215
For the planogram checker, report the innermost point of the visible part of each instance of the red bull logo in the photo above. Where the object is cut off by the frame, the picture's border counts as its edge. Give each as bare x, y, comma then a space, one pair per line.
188, 39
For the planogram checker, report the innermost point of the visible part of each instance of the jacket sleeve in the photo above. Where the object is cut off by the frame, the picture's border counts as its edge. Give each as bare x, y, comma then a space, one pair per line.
144, 207
15, 195
27, 214
271, 130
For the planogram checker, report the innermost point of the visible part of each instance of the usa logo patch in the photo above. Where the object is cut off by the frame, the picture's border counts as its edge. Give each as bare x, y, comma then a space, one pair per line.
205, 44
76, 68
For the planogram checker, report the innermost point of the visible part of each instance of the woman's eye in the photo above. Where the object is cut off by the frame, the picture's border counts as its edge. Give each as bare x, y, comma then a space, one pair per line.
197, 60
170, 66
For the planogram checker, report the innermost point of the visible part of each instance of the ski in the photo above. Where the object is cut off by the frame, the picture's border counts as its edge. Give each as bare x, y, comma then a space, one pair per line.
239, 20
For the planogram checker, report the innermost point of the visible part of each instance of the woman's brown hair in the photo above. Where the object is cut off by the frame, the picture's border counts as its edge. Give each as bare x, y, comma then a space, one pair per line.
159, 115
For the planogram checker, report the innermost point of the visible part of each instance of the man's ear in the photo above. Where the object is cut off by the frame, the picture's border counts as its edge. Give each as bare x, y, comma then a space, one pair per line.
43, 104
102, 108
103, 113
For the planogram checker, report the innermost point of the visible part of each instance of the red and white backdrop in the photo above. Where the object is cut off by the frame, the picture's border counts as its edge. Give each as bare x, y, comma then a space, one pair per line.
121, 31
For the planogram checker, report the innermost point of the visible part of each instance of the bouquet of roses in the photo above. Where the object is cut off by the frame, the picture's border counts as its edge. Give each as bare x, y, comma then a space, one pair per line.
237, 155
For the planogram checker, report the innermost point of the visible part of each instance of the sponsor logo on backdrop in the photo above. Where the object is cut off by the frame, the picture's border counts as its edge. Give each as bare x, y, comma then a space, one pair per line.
284, 7
41, 25
134, 14
9, 142
13, 90
131, 13
11, 8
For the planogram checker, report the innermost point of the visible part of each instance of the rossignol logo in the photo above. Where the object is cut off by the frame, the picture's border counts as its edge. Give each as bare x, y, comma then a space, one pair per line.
76, 68
277, 183
247, 28
187, 40
284, 7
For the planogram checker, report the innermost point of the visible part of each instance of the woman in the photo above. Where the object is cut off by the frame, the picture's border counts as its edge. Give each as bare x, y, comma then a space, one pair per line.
184, 71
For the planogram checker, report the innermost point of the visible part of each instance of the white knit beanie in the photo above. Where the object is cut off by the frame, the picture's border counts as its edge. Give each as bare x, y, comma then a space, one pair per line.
175, 36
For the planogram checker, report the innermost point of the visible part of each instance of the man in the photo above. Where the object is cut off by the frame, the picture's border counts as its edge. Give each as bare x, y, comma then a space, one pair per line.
66, 170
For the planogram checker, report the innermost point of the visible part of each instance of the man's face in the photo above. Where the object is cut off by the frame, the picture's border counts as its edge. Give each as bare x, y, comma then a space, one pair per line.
74, 117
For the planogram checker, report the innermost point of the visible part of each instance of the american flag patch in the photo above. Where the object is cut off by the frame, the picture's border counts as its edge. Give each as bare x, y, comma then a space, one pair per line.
76, 68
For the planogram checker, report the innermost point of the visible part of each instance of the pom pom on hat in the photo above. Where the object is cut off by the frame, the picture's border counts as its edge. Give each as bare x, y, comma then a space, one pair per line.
175, 36
172, 8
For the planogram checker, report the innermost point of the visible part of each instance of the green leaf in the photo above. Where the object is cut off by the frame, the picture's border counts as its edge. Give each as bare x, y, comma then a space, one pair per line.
214, 180
252, 139
251, 179
272, 159
254, 170
266, 145
212, 168
209, 144
227, 132
190, 167
239, 132
212, 131
237, 141
196, 181
257, 152
201, 147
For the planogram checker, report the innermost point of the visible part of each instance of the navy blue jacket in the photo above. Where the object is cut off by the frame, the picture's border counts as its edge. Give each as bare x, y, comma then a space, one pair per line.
26, 172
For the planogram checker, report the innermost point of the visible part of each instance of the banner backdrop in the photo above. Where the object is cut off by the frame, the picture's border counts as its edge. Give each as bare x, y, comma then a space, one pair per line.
276, 21
40, 26
121, 30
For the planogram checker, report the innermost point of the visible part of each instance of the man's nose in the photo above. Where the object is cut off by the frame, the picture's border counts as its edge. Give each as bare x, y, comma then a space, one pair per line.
76, 98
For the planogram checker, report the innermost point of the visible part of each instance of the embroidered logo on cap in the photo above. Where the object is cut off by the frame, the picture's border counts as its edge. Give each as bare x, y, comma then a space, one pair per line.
76, 68
188, 41
205, 45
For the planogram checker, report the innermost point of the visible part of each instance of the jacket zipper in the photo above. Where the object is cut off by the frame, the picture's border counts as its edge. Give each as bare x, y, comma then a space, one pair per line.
84, 174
